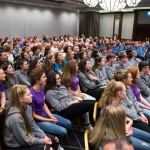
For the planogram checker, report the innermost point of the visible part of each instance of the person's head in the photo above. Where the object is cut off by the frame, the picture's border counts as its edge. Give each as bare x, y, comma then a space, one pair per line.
47, 50
122, 57
24, 55
54, 44
36, 63
82, 55
69, 55
134, 73
76, 49
123, 76
143, 67
59, 46
22, 64
68, 75
109, 49
35, 50
95, 53
37, 76
84, 65
2, 75
7, 68
26, 49
91, 46
109, 126
136, 44
99, 62
114, 90
53, 81
58, 56
8, 48
103, 50
16, 45
111, 58
20, 96
129, 54
3, 56
123, 143
40, 47
134, 54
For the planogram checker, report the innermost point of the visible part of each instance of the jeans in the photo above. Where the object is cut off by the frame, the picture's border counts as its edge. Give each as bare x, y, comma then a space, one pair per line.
140, 139
7, 103
146, 111
58, 129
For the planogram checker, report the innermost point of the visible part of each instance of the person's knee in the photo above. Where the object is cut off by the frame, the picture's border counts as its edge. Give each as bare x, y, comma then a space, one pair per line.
62, 131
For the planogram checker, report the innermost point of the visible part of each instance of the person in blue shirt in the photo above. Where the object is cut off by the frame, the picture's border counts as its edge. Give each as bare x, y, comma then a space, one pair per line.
147, 54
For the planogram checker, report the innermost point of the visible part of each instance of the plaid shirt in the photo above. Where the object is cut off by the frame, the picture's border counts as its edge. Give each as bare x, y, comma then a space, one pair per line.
40, 57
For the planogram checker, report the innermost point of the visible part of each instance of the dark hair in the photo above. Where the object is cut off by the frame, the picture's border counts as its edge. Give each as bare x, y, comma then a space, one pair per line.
109, 56
1, 52
32, 65
51, 81
19, 63
119, 143
109, 47
22, 54
148, 50
96, 65
35, 75
34, 48
47, 48
142, 64
103, 48
94, 53
129, 54
81, 54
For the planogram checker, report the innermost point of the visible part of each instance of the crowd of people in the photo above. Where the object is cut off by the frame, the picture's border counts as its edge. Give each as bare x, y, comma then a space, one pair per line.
69, 74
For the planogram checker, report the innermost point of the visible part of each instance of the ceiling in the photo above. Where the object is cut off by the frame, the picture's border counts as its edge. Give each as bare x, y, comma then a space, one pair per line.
75, 5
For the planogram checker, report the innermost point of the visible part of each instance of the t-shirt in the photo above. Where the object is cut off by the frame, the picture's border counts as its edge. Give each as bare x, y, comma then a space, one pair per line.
1, 88
75, 82
38, 100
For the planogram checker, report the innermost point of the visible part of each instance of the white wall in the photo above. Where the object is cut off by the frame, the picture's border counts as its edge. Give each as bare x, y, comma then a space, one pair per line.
127, 25
106, 25
143, 17
26, 20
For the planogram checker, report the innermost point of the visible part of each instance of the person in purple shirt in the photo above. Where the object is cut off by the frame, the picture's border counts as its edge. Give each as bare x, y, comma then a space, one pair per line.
48, 64
2, 93
71, 81
48, 122
136, 91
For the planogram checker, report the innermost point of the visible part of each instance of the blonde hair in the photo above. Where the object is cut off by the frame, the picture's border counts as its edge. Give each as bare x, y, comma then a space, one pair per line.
68, 55
18, 91
109, 126
110, 92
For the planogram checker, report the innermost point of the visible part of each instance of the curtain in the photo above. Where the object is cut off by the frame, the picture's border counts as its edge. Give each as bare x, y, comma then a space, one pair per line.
89, 24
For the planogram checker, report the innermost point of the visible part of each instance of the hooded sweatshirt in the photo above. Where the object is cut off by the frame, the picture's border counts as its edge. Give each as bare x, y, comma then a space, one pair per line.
15, 134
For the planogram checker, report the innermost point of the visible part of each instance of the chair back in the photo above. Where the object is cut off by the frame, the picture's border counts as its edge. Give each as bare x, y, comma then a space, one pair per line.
86, 139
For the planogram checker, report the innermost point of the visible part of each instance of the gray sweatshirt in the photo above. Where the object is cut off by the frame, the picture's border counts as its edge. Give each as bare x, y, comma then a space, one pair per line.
22, 77
120, 66
59, 98
133, 110
15, 134
101, 74
144, 84
86, 83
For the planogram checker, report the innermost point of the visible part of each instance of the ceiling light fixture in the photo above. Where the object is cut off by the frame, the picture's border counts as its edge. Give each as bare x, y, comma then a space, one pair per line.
91, 3
133, 3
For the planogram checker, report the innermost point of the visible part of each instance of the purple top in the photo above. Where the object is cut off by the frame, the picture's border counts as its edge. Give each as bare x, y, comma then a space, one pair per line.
46, 72
38, 100
75, 83
1, 88
136, 91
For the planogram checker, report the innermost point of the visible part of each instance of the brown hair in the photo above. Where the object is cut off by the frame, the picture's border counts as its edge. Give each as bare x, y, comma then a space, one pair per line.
133, 70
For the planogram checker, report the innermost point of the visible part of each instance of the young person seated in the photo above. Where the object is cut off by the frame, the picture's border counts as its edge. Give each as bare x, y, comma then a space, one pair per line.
136, 91
113, 124
137, 60
94, 55
21, 72
59, 63
133, 111
69, 55
48, 64
20, 130
64, 103
110, 67
103, 53
48, 122
100, 71
122, 61
10, 80
90, 84
71, 81
144, 80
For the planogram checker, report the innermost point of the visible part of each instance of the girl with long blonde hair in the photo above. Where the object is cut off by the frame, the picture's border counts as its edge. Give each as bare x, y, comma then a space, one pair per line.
20, 130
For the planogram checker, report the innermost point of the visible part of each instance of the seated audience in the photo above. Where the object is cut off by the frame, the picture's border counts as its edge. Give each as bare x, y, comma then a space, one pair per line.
22, 72
20, 130
47, 50
144, 80
89, 82
100, 71
137, 60
59, 63
48, 122
71, 81
10, 79
133, 111
76, 52
147, 55
25, 55
48, 64
103, 53
110, 67
36, 63
64, 103
3, 57
69, 55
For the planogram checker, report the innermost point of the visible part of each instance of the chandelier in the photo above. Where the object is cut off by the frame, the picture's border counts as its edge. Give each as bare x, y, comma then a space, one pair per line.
133, 3
112, 5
